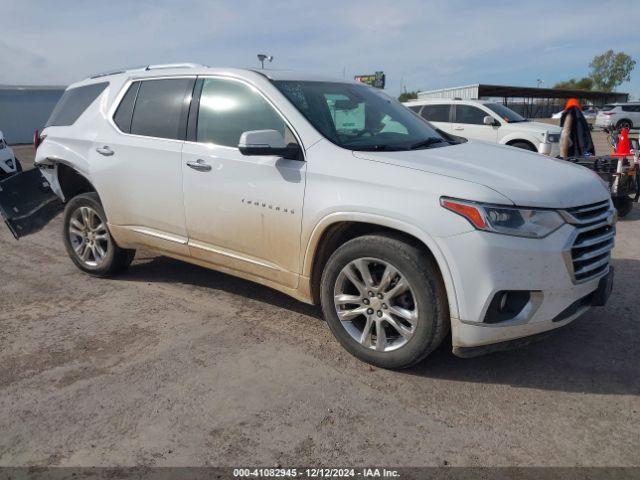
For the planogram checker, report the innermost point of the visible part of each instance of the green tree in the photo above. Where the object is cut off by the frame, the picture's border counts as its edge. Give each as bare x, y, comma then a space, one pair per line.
406, 96
585, 83
611, 69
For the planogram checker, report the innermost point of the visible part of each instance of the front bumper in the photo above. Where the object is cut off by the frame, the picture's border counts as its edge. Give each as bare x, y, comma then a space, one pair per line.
548, 148
483, 264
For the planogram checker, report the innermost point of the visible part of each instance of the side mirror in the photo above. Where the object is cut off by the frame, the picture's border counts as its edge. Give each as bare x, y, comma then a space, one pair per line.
268, 142
489, 120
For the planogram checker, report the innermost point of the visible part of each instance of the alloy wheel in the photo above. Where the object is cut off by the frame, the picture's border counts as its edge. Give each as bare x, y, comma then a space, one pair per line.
376, 304
89, 237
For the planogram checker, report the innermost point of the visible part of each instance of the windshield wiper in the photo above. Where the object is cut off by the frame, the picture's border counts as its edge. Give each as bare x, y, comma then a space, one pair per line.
427, 143
376, 148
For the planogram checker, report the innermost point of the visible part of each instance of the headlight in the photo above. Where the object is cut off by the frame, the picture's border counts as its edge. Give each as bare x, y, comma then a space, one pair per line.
521, 222
553, 137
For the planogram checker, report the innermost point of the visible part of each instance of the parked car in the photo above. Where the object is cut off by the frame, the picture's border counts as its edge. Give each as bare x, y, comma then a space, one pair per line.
9, 164
489, 121
619, 115
590, 114
334, 193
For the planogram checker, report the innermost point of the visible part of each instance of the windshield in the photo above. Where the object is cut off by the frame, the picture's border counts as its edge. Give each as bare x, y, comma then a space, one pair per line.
358, 117
505, 113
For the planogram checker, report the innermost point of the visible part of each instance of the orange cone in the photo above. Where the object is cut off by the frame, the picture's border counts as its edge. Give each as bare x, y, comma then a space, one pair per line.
623, 148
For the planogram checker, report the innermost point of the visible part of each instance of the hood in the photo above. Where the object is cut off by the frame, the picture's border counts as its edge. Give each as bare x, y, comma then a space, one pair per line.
533, 127
528, 179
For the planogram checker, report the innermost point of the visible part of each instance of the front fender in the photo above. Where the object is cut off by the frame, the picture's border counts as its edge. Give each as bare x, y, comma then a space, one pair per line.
383, 221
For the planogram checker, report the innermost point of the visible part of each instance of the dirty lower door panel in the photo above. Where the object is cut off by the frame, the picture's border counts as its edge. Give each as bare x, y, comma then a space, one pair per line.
27, 203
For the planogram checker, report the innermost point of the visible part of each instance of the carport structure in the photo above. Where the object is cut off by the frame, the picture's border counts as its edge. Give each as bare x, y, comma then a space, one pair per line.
530, 102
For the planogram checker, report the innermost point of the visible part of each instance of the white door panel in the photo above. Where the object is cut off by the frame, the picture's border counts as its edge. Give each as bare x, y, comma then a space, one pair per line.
140, 183
486, 133
246, 211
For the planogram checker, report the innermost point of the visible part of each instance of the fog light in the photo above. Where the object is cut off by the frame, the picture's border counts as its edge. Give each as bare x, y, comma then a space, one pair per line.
506, 305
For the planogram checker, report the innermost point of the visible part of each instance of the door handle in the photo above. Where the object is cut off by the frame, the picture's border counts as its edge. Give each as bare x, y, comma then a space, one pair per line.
106, 151
199, 165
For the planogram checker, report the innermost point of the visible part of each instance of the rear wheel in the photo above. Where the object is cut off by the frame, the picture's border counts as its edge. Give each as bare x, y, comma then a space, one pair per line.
384, 300
87, 238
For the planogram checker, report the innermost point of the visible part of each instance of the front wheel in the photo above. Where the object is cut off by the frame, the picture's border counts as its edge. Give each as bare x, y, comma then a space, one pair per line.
87, 238
384, 301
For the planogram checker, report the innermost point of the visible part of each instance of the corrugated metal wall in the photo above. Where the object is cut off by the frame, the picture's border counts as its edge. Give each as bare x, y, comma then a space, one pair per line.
470, 92
24, 110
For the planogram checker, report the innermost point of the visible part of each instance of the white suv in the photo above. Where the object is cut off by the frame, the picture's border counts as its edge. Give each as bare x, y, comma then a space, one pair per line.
489, 121
619, 115
333, 193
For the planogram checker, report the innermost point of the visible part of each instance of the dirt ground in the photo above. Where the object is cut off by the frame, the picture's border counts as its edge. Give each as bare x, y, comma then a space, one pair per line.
172, 364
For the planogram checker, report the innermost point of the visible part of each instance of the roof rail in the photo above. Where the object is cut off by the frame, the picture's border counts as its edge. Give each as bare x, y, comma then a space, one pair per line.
174, 65
159, 66
106, 74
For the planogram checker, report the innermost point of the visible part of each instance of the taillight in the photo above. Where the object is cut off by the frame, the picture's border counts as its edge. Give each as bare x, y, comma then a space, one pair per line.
607, 113
36, 139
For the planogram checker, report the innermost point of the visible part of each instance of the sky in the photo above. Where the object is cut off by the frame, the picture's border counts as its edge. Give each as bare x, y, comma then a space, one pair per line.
420, 45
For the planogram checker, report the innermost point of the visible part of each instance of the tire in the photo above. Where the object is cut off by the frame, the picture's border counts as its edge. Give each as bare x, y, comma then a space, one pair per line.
524, 146
624, 205
425, 301
624, 124
87, 238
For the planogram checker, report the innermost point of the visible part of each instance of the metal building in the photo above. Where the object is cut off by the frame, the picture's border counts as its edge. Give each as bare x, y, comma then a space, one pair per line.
530, 102
25, 108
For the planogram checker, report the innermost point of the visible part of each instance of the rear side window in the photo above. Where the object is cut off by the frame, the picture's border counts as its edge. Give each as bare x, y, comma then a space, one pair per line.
161, 108
631, 108
415, 108
436, 113
73, 103
122, 117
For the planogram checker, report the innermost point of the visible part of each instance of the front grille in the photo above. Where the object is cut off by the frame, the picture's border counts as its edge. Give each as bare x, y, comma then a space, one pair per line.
595, 236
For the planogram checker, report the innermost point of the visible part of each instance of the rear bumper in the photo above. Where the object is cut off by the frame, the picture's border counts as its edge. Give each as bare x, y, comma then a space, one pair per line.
27, 203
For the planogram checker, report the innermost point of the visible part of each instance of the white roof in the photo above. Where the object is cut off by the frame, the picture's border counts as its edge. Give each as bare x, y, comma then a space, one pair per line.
196, 69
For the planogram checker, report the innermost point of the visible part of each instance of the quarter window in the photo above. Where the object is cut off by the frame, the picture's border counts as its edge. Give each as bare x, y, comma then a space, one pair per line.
469, 115
228, 108
161, 108
73, 103
436, 113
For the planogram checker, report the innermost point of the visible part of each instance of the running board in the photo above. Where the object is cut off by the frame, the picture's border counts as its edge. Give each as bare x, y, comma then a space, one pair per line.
27, 203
